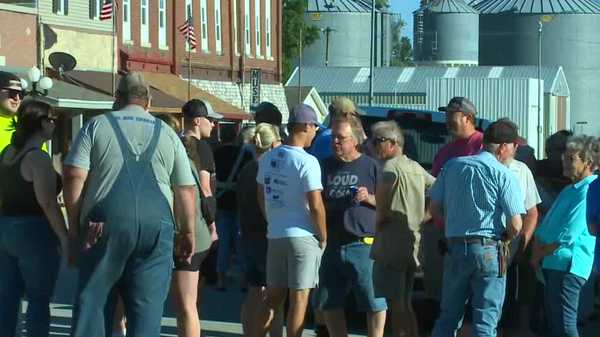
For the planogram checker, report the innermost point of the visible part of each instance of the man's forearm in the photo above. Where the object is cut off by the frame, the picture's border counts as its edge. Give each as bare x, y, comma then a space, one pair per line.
185, 198
529, 224
514, 228
318, 217
72, 191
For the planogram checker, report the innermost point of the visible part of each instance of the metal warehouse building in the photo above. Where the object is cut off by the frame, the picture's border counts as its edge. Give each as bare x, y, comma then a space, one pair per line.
509, 91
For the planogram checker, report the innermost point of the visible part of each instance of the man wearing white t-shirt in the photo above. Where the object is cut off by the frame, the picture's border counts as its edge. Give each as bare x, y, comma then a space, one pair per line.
289, 193
520, 281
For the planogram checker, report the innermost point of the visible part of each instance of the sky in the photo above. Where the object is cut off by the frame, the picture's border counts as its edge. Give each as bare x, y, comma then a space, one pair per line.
405, 8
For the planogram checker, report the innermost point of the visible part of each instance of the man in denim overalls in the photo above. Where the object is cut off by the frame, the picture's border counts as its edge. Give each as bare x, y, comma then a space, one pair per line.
122, 174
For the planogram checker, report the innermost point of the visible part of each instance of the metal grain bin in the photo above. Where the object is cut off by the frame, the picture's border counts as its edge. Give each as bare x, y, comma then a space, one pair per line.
345, 39
509, 36
446, 33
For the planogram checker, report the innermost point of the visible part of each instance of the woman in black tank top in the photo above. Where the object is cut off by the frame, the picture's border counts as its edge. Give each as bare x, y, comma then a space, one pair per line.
32, 226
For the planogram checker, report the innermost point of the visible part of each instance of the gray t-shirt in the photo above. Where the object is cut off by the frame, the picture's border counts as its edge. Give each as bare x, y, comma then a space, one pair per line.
97, 150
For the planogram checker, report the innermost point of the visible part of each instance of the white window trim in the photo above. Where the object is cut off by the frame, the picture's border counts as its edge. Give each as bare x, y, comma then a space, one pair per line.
189, 9
247, 29
162, 32
145, 28
257, 29
218, 28
268, 30
98, 8
61, 10
203, 26
236, 46
126, 25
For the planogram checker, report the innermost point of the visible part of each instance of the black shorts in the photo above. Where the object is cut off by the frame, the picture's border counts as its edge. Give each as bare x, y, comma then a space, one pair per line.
194, 265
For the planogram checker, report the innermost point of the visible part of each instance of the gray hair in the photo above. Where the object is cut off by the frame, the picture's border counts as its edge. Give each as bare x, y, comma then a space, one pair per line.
389, 130
586, 147
356, 128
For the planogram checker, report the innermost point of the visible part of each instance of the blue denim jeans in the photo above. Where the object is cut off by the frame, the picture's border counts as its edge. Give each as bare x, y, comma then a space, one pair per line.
29, 263
471, 271
228, 229
562, 300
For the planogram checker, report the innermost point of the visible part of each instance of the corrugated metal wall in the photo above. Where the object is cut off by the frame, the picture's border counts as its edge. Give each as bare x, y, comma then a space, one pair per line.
494, 98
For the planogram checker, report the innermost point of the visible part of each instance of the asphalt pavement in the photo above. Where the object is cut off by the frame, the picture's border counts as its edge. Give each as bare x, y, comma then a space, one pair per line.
220, 312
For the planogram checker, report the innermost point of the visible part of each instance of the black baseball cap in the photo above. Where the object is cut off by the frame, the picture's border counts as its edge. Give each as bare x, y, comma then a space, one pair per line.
461, 104
10, 81
267, 112
198, 108
501, 131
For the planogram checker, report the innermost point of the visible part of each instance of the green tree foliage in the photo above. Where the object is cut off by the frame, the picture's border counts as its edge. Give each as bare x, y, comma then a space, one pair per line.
293, 22
382, 3
401, 46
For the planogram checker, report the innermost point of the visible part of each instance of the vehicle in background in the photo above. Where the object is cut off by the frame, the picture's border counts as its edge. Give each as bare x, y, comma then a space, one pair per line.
424, 130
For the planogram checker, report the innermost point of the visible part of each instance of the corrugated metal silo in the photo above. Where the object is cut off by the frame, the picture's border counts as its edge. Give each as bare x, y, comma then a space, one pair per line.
446, 33
509, 35
345, 34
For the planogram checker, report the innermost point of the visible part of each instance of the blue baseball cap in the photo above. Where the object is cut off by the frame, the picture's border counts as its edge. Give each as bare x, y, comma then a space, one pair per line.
303, 114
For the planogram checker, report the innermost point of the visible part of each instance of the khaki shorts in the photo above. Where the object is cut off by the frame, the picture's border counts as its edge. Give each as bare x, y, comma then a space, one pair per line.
293, 263
393, 283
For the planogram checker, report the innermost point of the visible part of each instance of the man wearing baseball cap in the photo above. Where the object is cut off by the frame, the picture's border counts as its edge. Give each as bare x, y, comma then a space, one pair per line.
473, 194
11, 95
289, 190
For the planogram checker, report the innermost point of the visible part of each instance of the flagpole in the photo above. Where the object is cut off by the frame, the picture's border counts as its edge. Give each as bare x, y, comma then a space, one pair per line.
113, 48
189, 70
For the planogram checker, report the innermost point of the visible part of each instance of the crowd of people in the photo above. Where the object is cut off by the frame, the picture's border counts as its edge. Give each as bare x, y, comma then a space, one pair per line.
314, 213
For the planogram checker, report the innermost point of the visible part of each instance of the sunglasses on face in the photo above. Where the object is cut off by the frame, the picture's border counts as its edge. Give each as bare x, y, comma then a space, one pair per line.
12, 93
379, 140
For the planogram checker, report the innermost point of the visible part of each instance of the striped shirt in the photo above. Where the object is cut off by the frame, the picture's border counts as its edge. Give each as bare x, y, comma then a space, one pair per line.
475, 192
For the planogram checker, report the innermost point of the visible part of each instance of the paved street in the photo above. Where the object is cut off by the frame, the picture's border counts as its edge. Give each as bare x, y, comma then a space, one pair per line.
220, 312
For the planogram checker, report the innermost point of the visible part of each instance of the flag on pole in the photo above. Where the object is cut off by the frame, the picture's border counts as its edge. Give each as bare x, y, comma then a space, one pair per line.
187, 30
107, 10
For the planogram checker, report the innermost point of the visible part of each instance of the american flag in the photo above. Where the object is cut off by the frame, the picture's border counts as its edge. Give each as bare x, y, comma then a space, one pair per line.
107, 10
187, 30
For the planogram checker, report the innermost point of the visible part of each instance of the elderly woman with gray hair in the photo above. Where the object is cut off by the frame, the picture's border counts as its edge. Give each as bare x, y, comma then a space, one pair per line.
563, 246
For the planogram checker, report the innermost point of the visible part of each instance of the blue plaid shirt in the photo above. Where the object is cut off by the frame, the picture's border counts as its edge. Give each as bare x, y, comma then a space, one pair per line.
475, 192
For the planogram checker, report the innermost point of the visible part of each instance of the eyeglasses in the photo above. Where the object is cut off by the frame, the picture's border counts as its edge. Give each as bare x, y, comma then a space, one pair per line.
339, 138
379, 140
12, 93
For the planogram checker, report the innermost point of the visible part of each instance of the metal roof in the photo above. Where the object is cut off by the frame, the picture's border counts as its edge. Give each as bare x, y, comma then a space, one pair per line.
413, 80
334, 6
449, 6
538, 6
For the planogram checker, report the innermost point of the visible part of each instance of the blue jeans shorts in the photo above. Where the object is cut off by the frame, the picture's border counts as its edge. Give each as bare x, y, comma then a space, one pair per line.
344, 269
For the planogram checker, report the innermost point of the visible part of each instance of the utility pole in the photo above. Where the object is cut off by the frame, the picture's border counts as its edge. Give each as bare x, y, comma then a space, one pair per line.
371, 53
300, 67
539, 74
327, 31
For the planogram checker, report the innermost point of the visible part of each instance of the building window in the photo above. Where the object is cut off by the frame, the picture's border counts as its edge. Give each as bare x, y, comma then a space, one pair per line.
268, 27
126, 20
203, 26
162, 24
144, 25
257, 26
60, 7
218, 46
95, 8
247, 27
235, 28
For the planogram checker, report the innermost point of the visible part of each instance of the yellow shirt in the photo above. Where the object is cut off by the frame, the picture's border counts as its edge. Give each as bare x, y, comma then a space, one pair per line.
5, 131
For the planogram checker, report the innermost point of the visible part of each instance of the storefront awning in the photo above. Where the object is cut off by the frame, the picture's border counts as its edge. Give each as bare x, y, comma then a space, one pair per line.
177, 87
101, 82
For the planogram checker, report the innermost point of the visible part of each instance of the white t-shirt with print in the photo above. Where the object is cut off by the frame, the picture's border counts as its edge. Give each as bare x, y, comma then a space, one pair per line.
287, 173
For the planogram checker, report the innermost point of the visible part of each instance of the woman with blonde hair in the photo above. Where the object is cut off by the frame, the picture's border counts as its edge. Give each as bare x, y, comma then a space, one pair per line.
254, 229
